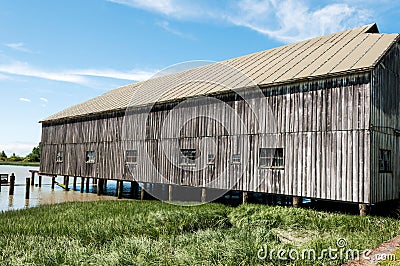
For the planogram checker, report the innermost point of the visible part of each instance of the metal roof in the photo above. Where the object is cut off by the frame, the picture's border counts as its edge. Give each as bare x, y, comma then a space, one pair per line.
348, 51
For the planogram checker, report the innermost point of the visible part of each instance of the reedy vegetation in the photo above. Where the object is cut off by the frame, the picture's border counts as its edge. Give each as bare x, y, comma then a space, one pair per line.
151, 232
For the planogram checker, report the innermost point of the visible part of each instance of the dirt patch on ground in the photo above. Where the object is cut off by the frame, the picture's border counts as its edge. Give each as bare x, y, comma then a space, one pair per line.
380, 253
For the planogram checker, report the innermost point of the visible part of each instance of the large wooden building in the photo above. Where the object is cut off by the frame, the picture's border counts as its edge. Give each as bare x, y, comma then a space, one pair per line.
317, 119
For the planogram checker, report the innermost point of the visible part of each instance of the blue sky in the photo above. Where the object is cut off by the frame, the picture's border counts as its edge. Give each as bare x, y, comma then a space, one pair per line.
54, 54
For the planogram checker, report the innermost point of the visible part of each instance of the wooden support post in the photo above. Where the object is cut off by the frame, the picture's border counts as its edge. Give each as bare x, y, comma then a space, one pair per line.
74, 185
245, 197
297, 201
203, 195
364, 209
170, 193
27, 187
40, 181
12, 183
134, 189
87, 184
66, 183
120, 188
33, 178
99, 186
82, 184
104, 184
53, 182
143, 192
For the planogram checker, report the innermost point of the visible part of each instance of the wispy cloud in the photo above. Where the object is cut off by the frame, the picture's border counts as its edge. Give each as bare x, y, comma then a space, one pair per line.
133, 75
291, 21
166, 26
79, 76
285, 20
19, 46
44, 100
25, 100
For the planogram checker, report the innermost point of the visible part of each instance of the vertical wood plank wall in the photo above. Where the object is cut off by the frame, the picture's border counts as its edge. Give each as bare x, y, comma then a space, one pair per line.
385, 119
322, 125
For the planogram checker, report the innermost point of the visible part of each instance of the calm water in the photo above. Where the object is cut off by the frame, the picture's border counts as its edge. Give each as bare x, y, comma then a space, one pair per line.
45, 195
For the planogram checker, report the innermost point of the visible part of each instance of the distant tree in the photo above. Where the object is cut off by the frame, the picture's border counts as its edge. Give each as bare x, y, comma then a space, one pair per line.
3, 155
15, 158
34, 156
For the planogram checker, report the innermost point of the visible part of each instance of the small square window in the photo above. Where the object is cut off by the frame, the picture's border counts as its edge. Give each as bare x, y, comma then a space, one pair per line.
90, 156
211, 158
236, 159
131, 156
271, 158
385, 161
59, 157
188, 157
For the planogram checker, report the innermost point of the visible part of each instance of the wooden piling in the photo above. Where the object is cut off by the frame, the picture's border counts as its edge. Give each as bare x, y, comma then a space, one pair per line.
364, 209
33, 178
120, 188
74, 184
53, 182
170, 193
143, 192
203, 195
40, 181
99, 186
87, 184
134, 189
12, 184
82, 184
245, 197
27, 187
66, 183
297, 201
104, 184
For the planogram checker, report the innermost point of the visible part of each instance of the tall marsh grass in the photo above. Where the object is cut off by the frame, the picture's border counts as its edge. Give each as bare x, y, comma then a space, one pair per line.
155, 233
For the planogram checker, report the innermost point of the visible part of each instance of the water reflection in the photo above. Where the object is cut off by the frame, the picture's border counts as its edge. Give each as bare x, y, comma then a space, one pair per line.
45, 195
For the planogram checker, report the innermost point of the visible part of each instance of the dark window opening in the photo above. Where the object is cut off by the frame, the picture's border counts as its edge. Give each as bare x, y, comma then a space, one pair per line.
60, 157
385, 161
90, 156
271, 158
131, 156
187, 157
236, 158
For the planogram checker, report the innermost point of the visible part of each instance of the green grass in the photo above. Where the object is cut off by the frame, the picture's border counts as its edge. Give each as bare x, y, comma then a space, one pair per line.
156, 233
20, 163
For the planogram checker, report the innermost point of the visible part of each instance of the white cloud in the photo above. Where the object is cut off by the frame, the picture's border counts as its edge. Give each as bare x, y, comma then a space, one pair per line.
44, 100
25, 100
80, 76
285, 20
291, 21
166, 26
20, 46
167, 7
24, 69
21, 149
134, 75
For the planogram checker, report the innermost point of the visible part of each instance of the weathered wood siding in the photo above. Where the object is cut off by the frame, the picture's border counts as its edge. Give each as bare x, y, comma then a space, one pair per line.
322, 125
385, 119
